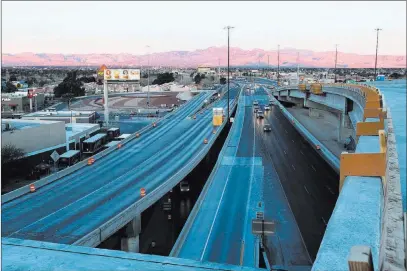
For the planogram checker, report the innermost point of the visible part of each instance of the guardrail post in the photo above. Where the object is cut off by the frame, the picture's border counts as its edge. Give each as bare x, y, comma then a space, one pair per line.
360, 259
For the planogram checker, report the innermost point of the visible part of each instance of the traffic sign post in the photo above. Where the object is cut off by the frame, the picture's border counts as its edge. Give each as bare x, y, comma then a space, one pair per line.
262, 227
55, 157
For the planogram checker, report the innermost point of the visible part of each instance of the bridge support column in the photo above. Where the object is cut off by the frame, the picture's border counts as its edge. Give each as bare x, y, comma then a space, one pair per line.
341, 126
132, 242
313, 113
297, 101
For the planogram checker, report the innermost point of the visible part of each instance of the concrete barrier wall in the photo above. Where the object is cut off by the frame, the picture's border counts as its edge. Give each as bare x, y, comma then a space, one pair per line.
297, 94
332, 100
393, 232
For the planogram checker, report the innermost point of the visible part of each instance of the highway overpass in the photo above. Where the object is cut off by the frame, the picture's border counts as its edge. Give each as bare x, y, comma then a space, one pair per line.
87, 203
255, 172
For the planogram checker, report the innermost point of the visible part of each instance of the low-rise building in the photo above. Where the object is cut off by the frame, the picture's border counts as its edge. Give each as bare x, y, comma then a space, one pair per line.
32, 136
19, 102
65, 116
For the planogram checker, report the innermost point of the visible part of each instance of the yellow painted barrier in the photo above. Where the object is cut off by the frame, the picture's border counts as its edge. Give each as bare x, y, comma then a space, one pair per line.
302, 87
372, 104
365, 164
316, 89
369, 128
374, 113
362, 164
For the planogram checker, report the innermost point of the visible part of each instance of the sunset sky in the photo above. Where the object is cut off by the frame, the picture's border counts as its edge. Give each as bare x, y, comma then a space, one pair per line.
127, 27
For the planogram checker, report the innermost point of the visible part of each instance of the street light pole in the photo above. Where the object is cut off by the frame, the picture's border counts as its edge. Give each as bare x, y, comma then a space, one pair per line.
336, 58
377, 47
228, 28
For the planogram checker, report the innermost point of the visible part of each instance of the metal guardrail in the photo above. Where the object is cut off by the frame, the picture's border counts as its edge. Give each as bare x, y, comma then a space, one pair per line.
60, 174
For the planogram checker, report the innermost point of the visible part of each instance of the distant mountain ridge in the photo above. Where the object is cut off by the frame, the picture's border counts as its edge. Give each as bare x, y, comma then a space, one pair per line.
208, 57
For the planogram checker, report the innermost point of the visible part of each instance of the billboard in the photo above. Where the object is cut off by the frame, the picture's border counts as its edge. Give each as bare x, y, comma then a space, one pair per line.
30, 93
122, 74
101, 72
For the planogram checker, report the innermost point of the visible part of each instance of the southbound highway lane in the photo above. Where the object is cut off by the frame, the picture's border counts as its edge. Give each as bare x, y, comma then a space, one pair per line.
310, 184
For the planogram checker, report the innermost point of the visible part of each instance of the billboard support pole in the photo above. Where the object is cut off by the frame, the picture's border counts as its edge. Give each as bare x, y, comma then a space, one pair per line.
105, 98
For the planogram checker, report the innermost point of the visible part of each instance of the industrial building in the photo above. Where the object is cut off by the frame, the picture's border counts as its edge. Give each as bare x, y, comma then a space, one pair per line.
31, 136
65, 116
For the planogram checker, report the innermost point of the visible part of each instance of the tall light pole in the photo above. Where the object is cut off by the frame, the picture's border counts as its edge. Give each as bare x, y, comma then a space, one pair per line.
298, 67
336, 59
278, 65
148, 77
377, 47
228, 28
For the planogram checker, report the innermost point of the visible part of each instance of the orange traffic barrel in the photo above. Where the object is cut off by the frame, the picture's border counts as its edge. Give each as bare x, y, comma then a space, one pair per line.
137, 135
206, 141
142, 192
32, 188
318, 147
90, 162
119, 146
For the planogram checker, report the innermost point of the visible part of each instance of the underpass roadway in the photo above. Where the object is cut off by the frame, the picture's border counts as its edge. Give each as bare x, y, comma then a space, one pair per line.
296, 188
88, 205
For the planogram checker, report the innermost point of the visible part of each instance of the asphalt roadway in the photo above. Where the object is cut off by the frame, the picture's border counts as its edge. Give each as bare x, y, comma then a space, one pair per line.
299, 193
309, 183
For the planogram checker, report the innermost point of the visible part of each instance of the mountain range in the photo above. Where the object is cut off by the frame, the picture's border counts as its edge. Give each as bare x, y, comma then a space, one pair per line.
211, 56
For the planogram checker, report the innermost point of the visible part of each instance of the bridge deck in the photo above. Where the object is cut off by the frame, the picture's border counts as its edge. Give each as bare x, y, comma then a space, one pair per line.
76, 205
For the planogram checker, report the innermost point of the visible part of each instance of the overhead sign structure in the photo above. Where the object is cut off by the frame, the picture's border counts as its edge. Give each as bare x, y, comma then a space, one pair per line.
125, 75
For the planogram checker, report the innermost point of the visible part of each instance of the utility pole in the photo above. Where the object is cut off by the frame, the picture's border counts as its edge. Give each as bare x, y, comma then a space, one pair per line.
148, 78
336, 59
278, 65
228, 28
377, 47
